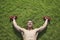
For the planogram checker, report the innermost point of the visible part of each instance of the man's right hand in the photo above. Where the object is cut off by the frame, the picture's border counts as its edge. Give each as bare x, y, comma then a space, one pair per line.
13, 17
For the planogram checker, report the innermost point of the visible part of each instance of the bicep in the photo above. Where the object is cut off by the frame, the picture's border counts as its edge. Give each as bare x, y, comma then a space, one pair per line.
18, 28
43, 26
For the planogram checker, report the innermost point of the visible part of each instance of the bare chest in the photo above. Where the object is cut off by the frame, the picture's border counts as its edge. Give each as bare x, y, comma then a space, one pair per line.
29, 35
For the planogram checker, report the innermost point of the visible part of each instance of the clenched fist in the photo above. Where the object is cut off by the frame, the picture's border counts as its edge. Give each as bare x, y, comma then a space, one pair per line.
13, 17
47, 17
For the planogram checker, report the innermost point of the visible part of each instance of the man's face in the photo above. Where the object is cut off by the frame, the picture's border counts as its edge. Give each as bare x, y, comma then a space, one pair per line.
30, 24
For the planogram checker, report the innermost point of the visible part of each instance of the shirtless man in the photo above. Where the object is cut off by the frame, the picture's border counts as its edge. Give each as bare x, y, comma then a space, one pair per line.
29, 33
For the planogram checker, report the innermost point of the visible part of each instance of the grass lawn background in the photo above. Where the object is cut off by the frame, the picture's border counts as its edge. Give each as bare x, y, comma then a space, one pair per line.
30, 9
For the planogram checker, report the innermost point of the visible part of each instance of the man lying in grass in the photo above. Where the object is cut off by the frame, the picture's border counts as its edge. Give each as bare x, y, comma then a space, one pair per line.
29, 33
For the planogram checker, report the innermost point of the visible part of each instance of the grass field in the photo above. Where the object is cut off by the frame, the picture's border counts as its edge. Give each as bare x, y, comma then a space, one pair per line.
29, 9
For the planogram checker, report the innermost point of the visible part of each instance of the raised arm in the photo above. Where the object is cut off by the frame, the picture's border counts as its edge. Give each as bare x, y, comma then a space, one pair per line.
47, 19
15, 24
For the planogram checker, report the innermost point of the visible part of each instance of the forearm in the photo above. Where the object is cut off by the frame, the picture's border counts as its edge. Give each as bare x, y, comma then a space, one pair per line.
14, 22
45, 24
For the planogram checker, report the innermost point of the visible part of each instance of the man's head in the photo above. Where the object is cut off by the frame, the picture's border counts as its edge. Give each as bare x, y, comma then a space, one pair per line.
30, 24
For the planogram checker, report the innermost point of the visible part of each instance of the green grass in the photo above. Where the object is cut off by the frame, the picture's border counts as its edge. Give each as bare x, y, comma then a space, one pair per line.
30, 9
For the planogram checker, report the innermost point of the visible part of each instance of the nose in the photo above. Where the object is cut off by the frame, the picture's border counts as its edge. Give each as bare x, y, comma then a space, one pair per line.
29, 23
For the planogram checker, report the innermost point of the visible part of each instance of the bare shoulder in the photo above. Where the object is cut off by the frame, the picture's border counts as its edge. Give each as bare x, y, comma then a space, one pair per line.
35, 29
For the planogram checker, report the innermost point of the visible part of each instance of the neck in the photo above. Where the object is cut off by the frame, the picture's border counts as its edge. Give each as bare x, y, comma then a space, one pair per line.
29, 28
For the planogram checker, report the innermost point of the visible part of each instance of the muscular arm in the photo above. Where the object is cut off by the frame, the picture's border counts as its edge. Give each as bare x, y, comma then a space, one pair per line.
16, 26
43, 26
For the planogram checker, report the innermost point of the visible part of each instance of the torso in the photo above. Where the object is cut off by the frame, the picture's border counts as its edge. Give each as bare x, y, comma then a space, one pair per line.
29, 35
